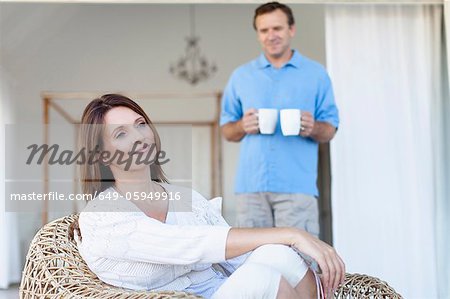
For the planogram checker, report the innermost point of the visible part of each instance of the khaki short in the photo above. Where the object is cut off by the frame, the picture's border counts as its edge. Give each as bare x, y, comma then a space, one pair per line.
268, 209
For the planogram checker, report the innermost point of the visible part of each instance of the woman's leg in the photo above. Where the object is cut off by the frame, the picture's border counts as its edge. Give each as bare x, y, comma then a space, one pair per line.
291, 266
259, 281
253, 281
286, 291
307, 288
265, 273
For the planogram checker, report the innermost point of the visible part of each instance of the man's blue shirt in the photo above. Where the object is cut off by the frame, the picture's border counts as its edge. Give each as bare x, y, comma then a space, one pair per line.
277, 163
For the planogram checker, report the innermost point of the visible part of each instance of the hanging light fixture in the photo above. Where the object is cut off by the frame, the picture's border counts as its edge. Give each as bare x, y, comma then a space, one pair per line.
193, 66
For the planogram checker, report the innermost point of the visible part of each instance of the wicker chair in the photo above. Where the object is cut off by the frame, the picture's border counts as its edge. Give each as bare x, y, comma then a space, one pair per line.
55, 269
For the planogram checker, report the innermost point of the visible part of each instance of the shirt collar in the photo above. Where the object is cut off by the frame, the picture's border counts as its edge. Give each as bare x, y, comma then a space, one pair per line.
295, 60
263, 62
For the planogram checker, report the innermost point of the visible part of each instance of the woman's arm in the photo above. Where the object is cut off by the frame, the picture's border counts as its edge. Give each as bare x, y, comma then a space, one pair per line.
242, 240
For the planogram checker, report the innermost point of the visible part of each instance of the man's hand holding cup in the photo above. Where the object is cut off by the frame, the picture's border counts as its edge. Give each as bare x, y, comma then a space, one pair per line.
250, 122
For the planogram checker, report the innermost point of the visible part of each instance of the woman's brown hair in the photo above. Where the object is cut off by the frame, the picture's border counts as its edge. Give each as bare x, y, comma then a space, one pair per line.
97, 177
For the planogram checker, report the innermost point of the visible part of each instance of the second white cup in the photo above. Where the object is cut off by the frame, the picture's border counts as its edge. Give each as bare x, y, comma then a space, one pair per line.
267, 119
290, 121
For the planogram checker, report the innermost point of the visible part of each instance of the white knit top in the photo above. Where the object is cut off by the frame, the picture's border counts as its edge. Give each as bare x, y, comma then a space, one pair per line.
126, 248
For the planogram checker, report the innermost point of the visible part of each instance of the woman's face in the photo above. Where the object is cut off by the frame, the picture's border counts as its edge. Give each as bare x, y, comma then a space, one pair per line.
126, 133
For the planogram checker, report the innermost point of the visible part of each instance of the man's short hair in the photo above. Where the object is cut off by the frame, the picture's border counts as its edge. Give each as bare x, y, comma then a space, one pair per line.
272, 6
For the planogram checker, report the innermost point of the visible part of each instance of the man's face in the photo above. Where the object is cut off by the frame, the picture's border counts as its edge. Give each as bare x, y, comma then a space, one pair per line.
274, 33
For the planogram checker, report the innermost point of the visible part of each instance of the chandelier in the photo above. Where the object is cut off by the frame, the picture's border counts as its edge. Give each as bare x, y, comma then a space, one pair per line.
193, 66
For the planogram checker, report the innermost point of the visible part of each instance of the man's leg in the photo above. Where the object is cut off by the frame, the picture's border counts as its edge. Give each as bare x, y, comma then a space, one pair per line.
296, 210
253, 210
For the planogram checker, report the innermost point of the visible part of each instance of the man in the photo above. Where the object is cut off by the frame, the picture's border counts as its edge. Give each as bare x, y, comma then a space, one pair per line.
276, 178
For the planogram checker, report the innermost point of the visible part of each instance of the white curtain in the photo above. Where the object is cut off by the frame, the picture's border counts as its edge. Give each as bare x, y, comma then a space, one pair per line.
9, 234
443, 171
385, 62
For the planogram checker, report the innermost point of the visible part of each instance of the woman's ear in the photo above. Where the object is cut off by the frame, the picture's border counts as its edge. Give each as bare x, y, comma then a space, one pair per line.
103, 157
105, 162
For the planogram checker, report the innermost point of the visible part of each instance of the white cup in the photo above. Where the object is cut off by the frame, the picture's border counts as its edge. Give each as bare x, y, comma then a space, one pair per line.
267, 119
290, 121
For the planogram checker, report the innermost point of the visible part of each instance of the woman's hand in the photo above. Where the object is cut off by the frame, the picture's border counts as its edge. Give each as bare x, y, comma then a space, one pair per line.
243, 240
331, 264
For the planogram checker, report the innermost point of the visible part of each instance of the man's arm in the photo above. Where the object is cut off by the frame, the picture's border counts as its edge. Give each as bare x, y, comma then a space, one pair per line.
318, 130
322, 132
235, 131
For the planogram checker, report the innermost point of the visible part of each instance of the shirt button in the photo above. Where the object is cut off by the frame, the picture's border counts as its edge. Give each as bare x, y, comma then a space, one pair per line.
186, 268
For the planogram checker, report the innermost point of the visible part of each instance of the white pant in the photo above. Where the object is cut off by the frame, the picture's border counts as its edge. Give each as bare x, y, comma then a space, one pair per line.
259, 276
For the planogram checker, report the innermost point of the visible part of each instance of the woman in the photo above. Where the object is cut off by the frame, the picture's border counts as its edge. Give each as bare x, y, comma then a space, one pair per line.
132, 239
